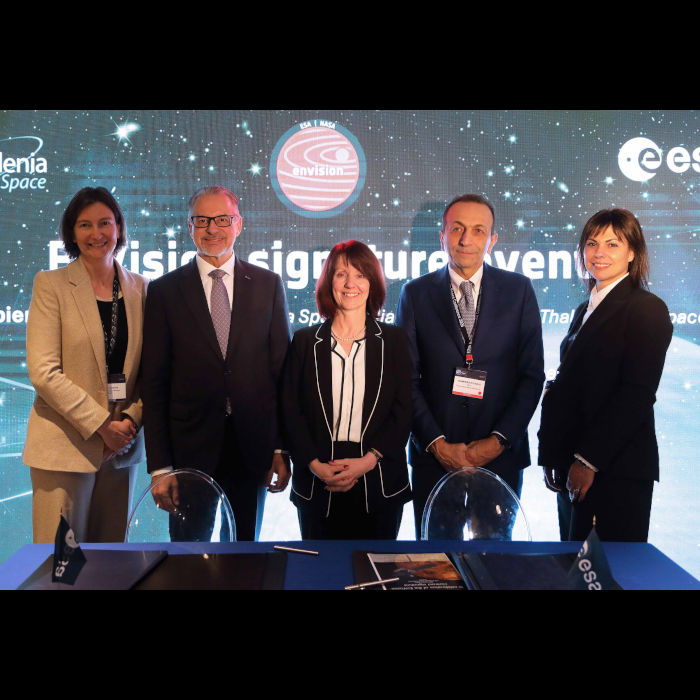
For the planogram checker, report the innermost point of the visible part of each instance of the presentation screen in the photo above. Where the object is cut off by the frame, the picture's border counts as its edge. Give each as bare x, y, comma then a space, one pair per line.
308, 179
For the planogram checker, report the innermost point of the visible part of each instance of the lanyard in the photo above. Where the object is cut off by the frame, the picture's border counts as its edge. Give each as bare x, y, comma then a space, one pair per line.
111, 339
469, 342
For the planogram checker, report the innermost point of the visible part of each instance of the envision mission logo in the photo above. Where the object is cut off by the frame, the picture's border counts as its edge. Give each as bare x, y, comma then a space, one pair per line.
318, 169
641, 157
20, 169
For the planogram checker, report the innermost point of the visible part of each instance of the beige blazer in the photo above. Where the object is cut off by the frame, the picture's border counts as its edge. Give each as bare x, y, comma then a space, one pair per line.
68, 368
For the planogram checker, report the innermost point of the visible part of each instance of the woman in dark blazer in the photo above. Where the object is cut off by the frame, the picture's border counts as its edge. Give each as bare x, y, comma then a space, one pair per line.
347, 407
598, 437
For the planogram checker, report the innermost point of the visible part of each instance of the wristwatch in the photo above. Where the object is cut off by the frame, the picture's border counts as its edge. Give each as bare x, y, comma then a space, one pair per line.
505, 444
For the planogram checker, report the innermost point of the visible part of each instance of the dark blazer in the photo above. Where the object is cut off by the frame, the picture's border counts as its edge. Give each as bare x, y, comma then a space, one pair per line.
508, 346
186, 381
601, 405
386, 417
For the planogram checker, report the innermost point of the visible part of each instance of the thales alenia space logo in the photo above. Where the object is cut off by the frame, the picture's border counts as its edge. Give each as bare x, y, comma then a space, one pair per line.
21, 168
640, 159
318, 169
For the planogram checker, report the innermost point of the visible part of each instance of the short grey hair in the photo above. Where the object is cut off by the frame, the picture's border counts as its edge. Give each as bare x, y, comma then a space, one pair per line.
205, 191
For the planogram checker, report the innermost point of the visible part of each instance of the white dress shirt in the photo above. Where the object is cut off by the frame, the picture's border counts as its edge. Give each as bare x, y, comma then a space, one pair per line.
597, 298
476, 280
205, 269
348, 391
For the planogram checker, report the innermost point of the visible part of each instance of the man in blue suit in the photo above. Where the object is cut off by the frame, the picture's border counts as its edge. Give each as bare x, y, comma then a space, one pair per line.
462, 322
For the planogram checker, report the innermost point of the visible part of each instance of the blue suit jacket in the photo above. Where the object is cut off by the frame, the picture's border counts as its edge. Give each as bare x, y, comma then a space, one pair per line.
508, 347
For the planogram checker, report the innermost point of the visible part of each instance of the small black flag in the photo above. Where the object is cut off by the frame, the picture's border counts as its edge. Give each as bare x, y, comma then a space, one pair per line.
591, 571
68, 558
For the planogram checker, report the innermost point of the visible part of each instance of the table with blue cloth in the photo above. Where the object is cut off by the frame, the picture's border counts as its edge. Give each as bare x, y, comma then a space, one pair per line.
635, 566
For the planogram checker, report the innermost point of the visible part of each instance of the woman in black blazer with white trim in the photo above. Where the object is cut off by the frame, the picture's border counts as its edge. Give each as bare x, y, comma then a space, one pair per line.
348, 407
598, 433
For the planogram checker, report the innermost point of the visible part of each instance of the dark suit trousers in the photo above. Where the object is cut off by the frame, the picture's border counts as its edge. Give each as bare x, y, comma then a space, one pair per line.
246, 493
566, 511
427, 476
621, 507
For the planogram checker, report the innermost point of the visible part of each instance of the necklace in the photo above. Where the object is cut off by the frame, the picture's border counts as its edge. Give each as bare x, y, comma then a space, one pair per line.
347, 340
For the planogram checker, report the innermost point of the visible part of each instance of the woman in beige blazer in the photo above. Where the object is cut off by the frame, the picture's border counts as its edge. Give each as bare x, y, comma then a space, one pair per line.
83, 449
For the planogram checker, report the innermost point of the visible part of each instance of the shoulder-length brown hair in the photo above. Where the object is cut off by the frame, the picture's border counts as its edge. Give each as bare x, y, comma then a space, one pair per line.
627, 228
82, 200
362, 259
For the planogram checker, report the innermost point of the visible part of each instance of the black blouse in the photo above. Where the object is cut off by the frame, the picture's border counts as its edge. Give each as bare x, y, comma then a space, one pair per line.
115, 364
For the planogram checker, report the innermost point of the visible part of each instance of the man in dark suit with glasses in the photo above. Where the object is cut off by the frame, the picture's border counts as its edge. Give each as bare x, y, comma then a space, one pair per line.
215, 340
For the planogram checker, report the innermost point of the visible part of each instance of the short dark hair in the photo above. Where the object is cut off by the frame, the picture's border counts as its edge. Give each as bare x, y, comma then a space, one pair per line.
626, 227
82, 200
470, 199
361, 258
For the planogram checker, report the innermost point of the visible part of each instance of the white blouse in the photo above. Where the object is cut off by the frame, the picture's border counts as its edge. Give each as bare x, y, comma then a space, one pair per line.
348, 391
597, 298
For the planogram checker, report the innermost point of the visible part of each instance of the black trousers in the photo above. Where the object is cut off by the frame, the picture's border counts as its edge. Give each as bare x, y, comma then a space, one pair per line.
566, 512
621, 508
349, 519
246, 493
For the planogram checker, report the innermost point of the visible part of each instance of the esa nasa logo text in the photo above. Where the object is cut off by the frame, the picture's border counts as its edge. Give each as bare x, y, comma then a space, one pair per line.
21, 168
641, 158
318, 169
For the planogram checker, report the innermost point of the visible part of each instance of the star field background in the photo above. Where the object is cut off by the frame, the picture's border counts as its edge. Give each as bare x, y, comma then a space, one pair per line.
546, 172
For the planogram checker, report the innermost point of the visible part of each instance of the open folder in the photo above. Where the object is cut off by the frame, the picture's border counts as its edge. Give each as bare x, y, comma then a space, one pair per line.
156, 571
474, 571
104, 571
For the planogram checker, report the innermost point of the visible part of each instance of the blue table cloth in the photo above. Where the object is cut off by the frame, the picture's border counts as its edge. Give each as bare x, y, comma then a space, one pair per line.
635, 566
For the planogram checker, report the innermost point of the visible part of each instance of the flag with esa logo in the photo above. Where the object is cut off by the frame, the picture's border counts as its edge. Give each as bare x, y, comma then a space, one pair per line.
68, 558
591, 572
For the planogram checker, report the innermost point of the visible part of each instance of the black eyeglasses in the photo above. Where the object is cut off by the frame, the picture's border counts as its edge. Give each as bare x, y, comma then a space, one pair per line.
220, 221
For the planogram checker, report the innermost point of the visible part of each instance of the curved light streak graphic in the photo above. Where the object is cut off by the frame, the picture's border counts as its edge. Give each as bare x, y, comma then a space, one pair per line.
299, 143
337, 144
314, 179
349, 163
34, 138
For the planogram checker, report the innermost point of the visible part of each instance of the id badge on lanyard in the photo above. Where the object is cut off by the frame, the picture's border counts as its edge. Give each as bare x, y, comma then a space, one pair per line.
116, 388
468, 382
116, 383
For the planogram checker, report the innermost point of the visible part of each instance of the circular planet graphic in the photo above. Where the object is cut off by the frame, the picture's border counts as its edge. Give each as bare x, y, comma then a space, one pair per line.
318, 171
